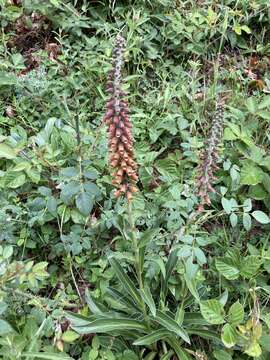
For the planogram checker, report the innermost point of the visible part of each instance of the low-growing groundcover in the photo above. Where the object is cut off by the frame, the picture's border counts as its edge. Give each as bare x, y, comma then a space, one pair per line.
145, 243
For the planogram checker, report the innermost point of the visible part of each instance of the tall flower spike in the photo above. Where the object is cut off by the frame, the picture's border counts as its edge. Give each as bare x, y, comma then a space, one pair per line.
209, 158
121, 157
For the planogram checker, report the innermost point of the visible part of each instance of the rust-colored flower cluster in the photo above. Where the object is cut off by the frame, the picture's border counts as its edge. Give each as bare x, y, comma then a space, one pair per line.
209, 158
119, 128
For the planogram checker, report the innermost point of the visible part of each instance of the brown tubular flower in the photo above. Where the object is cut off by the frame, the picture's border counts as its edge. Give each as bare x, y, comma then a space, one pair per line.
119, 128
209, 158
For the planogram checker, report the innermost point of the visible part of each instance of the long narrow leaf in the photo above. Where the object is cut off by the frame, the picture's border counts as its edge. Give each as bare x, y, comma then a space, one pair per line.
152, 338
126, 282
206, 334
94, 308
181, 353
191, 319
170, 324
148, 299
172, 260
123, 299
47, 356
108, 325
78, 320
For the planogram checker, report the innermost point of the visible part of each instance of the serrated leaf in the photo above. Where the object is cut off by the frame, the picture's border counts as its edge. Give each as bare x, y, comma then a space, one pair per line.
250, 265
227, 268
228, 336
212, 311
236, 313
251, 174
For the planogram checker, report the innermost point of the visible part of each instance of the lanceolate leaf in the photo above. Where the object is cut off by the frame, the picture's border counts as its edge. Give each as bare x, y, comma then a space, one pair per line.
170, 324
148, 299
110, 325
236, 313
205, 334
126, 282
212, 311
46, 356
227, 268
152, 337
180, 352
228, 336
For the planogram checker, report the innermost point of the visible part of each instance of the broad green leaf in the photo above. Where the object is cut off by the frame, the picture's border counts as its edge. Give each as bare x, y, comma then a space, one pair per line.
264, 114
7, 78
261, 217
69, 336
228, 336
109, 325
227, 268
250, 265
5, 328
233, 219
212, 311
7, 252
227, 205
46, 356
126, 282
13, 180
170, 324
147, 236
247, 205
152, 337
236, 313
7, 152
254, 350
251, 174
84, 203
222, 355
252, 104
265, 102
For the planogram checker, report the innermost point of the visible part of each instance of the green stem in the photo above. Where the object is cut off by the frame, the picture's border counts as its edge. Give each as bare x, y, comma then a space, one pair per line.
136, 252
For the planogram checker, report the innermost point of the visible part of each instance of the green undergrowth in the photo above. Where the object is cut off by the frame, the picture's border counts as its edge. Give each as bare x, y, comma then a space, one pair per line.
81, 275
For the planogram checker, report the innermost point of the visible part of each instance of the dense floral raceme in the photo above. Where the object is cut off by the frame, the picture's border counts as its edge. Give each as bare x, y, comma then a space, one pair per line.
209, 158
121, 157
